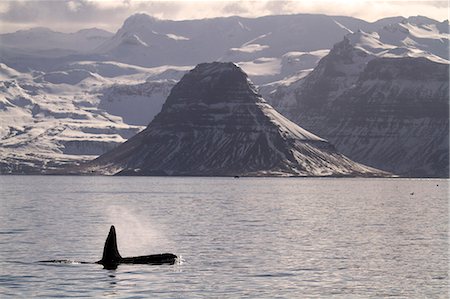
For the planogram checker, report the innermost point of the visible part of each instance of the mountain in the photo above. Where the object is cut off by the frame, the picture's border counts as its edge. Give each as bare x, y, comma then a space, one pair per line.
260, 45
42, 39
264, 46
50, 120
391, 38
269, 48
96, 88
215, 123
382, 109
43, 49
405, 39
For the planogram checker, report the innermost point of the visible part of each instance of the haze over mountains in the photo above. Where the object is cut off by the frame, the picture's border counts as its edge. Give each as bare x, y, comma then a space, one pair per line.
70, 97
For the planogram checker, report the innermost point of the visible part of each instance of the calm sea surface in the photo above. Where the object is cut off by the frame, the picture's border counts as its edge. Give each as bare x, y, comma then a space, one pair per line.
237, 238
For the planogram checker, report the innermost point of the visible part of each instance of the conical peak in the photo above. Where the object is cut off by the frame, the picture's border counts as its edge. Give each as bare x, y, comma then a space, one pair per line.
216, 67
217, 74
139, 20
213, 83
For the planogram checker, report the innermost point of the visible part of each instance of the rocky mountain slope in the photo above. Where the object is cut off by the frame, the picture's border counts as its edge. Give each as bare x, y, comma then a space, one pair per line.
380, 109
215, 123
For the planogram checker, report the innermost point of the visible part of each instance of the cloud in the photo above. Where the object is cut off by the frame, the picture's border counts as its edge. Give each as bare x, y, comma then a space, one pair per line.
73, 5
72, 15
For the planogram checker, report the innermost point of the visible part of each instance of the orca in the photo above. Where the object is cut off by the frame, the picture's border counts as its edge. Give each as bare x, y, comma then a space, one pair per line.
111, 257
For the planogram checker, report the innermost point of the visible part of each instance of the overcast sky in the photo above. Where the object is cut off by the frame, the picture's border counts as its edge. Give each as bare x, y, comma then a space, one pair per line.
72, 15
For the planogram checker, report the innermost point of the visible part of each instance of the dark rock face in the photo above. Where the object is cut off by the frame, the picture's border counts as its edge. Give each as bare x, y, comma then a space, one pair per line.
389, 113
215, 123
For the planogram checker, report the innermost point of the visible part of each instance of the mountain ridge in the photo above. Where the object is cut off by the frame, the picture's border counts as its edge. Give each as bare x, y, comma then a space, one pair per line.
387, 112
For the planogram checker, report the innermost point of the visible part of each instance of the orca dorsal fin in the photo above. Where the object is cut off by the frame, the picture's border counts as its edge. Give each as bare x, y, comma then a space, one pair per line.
111, 255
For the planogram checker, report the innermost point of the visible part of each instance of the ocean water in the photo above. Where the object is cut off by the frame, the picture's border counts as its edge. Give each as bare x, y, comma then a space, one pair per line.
237, 238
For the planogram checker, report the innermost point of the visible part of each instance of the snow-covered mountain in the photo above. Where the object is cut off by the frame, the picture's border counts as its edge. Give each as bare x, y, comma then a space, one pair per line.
215, 123
103, 81
46, 50
392, 37
48, 120
44, 39
268, 48
382, 105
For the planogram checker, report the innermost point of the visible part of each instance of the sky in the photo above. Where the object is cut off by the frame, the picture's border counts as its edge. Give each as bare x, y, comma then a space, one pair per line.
73, 15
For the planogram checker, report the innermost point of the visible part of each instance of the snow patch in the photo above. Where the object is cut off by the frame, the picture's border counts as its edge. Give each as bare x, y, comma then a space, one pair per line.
342, 26
262, 67
176, 37
71, 77
250, 48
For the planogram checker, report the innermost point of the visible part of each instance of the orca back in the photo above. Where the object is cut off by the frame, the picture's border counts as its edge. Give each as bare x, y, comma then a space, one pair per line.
111, 257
